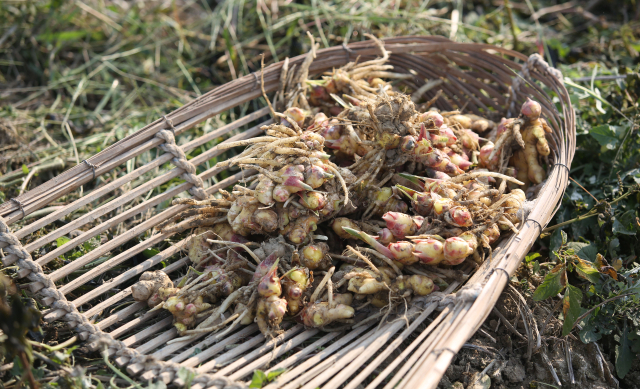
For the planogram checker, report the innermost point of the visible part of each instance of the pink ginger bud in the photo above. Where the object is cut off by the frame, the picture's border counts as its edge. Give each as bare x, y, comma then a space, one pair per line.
531, 109
313, 200
438, 175
385, 236
492, 233
331, 131
318, 94
371, 241
448, 133
190, 309
441, 204
462, 162
270, 283
296, 114
421, 285
429, 251
456, 250
437, 119
502, 127
295, 184
264, 191
403, 252
280, 193
400, 224
470, 139
459, 216
485, 153
264, 266
407, 144
438, 140
315, 176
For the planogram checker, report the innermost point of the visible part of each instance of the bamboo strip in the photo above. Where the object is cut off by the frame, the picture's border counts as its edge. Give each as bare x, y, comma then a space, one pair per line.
131, 324
387, 352
415, 376
300, 355
120, 201
173, 347
248, 345
408, 363
310, 372
158, 340
347, 371
149, 331
360, 361
113, 262
125, 293
130, 234
321, 356
91, 196
219, 346
271, 354
365, 350
120, 315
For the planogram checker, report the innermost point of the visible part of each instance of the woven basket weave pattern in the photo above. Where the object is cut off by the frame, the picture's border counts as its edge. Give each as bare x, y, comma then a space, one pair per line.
479, 78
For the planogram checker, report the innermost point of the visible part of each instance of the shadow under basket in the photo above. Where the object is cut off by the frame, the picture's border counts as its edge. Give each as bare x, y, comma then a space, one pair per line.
412, 353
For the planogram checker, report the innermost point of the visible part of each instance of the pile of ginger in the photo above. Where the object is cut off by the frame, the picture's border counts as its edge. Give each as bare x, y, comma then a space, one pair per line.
356, 200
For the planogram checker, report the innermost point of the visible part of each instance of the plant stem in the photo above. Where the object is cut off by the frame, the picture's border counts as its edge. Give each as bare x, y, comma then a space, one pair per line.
579, 319
27, 370
592, 212
577, 219
507, 6
105, 356
56, 347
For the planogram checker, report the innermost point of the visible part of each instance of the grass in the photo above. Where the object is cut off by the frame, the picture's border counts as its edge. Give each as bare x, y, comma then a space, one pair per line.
77, 76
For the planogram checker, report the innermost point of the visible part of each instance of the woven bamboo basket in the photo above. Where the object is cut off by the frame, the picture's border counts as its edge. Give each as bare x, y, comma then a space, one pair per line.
397, 353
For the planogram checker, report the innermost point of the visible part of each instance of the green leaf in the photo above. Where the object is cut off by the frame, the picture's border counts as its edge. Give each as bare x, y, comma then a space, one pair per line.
258, 380
634, 173
564, 237
624, 224
624, 356
274, 374
62, 240
589, 331
570, 308
606, 136
587, 271
553, 283
186, 376
555, 242
586, 251
25, 169
531, 257
148, 253
157, 385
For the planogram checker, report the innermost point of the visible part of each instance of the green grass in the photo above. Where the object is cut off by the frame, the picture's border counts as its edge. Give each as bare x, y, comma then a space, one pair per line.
76, 76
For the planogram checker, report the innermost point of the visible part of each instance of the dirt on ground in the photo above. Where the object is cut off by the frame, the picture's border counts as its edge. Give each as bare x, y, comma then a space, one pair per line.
497, 357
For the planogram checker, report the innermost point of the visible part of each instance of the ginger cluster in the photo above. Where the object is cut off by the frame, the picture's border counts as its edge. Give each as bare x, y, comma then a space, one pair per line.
356, 200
